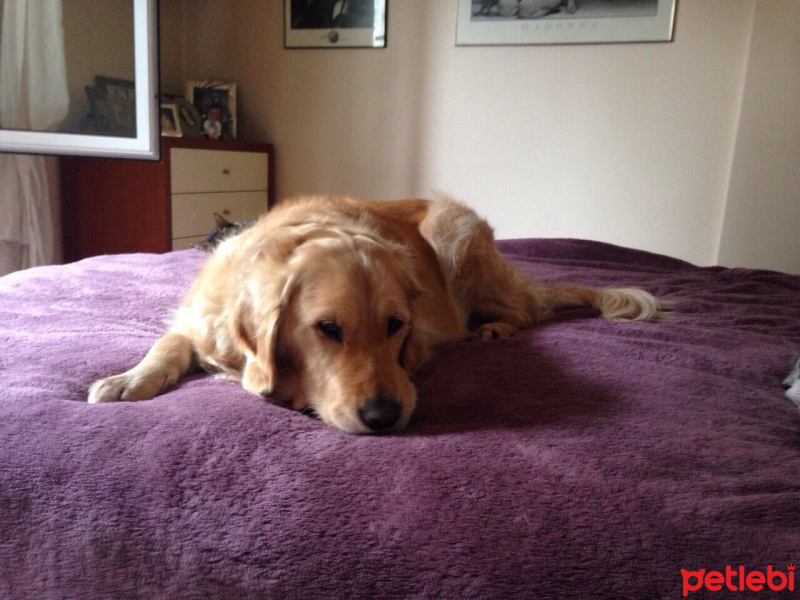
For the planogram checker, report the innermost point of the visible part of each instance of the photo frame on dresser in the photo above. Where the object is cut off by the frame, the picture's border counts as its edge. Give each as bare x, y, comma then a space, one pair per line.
514, 22
170, 120
215, 101
334, 23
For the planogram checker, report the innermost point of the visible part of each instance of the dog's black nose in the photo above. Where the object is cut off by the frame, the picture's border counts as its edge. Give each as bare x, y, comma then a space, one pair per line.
380, 412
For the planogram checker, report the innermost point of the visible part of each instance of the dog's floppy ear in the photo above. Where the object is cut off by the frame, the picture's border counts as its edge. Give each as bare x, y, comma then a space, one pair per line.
257, 335
256, 318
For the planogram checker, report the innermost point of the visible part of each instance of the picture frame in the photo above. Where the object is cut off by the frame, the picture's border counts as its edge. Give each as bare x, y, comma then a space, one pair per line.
170, 120
513, 22
215, 101
119, 98
97, 121
334, 24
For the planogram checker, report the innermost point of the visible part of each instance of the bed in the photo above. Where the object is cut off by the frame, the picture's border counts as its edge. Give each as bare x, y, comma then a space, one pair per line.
583, 459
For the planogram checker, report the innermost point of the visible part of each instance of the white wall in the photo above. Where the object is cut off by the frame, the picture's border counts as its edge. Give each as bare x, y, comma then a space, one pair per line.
631, 144
762, 220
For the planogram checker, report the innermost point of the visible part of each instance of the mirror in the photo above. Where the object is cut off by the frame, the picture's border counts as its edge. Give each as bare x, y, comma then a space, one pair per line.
93, 89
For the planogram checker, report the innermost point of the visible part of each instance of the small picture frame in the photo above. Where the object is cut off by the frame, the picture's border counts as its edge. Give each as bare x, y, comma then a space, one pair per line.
216, 103
334, 23
510, 22
170, 121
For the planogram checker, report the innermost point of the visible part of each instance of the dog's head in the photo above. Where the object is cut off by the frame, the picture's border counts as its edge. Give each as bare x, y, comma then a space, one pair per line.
325, 320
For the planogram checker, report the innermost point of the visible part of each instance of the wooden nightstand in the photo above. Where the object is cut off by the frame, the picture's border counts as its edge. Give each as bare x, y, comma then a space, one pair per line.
112, 206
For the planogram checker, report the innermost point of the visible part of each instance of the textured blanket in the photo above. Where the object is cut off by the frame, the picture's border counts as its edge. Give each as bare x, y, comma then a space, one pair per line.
583, 459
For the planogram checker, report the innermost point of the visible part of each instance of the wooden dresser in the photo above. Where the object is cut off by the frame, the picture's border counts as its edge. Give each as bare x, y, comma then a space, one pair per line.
112, 206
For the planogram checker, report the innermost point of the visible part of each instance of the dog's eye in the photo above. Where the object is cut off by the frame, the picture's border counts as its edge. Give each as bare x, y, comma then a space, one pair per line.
331, 330
394, 325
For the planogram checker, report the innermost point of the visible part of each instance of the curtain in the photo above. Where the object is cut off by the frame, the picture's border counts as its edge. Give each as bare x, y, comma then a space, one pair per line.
33, 95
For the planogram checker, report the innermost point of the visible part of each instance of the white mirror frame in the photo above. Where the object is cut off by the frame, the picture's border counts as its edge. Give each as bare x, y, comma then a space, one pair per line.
146, 144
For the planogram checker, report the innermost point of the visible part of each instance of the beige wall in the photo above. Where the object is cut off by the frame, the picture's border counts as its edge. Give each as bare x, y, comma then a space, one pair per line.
762, 220
170, 42
631, 144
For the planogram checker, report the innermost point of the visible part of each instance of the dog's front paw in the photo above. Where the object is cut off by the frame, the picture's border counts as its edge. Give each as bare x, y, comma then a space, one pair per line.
494, 331
126, 387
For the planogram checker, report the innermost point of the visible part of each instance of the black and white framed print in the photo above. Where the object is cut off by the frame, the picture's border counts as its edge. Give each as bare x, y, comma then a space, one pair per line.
335, 23
488, 22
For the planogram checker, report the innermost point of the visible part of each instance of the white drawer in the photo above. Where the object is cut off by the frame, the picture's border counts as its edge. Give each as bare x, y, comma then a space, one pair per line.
193, 214
194, 171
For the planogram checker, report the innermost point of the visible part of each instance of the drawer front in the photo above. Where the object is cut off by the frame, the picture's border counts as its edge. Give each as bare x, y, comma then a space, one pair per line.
193, 171
193, 214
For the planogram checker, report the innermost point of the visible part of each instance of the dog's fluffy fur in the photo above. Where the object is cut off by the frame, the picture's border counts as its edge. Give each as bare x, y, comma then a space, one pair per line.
331, 304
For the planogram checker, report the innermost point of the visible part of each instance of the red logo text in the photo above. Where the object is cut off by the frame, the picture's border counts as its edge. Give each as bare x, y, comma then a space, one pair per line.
737, 580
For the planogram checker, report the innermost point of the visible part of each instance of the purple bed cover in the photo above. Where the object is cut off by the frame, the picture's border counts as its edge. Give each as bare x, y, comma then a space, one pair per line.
583, 459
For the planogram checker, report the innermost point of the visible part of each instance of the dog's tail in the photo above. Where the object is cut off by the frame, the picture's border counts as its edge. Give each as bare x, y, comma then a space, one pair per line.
615, 304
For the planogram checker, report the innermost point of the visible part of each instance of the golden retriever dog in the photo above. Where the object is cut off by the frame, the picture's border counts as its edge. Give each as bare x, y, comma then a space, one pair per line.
331, 304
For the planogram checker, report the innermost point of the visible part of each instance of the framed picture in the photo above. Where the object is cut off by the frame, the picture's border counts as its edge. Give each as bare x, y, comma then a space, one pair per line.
119, 97
334, 23
170, 120
97, 121
486, 22
216, 103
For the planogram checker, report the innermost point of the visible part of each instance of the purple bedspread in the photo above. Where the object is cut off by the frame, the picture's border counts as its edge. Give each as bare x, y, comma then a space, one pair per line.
584, 459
